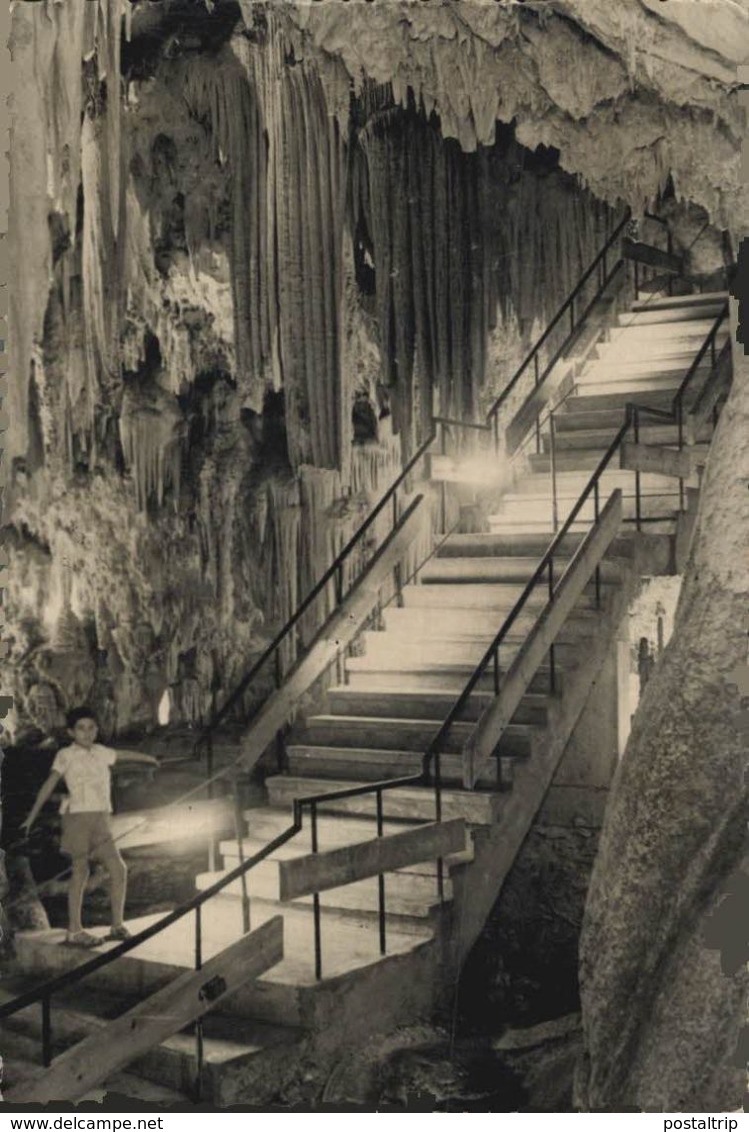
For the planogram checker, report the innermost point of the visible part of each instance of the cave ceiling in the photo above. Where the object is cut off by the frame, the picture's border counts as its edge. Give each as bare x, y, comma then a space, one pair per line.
630, 93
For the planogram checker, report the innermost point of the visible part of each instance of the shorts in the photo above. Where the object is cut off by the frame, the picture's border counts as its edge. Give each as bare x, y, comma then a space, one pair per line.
88, 835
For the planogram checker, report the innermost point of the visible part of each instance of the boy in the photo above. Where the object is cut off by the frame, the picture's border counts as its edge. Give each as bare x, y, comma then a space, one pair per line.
86, 831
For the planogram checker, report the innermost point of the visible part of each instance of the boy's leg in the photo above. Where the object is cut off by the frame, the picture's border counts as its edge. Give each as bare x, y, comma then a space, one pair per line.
108, 853
75, 894
75, 844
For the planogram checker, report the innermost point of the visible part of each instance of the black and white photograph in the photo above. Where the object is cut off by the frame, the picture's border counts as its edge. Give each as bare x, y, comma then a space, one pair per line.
375, 559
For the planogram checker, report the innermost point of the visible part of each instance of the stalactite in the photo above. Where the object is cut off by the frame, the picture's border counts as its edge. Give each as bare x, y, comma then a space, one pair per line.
459, 238
151, 436
286, 155
281, 556
100, 329
50, 148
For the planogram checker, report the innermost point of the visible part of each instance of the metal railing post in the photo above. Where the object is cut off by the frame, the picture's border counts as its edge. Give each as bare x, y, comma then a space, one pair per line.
680, 424
496, 671
597, 515
555, 503
199, 1051
209, 792
316, 897
670, 250
398, 584
381, 880
46, 1031
239, 834
552, 657
638, 493
438, 818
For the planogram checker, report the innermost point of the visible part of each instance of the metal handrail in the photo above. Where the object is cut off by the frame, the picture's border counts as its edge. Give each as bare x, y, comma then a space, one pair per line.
430, 760
632, 419
708, 344
69, 978
432, 753
535, 578
334, 571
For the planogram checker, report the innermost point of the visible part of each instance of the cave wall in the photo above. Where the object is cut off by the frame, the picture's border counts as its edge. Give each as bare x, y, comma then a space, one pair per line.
664, 994
236, 250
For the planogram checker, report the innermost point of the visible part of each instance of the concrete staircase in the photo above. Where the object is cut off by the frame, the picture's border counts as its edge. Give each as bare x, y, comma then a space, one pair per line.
377, 724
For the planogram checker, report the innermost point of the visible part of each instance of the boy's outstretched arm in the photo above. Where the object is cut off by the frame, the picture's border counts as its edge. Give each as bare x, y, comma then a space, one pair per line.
46, 790
136, 757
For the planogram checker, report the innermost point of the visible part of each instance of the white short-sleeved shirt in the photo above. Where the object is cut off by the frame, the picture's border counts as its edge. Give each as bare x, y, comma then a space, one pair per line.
87, 777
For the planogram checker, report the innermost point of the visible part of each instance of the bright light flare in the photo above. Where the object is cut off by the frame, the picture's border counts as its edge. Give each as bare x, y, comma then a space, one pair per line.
486, 470
165, 708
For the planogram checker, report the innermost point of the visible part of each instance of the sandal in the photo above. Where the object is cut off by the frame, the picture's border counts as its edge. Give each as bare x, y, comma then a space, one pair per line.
81, 939
118, 934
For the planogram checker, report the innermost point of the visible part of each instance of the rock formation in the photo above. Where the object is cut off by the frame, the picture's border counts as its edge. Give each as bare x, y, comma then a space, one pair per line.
264, 241
663, 1008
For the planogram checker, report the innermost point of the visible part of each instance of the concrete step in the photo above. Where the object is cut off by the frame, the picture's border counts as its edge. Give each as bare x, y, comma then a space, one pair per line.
264, 823
410, 894
520, 509
568, 460
492, 600
470, 576
663, 316
413, 802
654, 373
230, 1046
414, 880
599, 398
435, 705
587, 459
383, 734
21, 1065
599, 433
618, 390
571, 484
276, 997
651, 330
473, 624
329, 836
413, 919
681, 302
366, 674
380, 649
610, 419
333, 832
631, 345
378, 765
523, 550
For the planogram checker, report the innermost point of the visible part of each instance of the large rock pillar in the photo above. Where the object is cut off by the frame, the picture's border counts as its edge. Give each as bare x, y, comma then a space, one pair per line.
662, 1006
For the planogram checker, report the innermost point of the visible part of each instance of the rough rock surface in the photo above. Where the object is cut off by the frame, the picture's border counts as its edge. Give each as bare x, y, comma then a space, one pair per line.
662, 1008
627, 92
